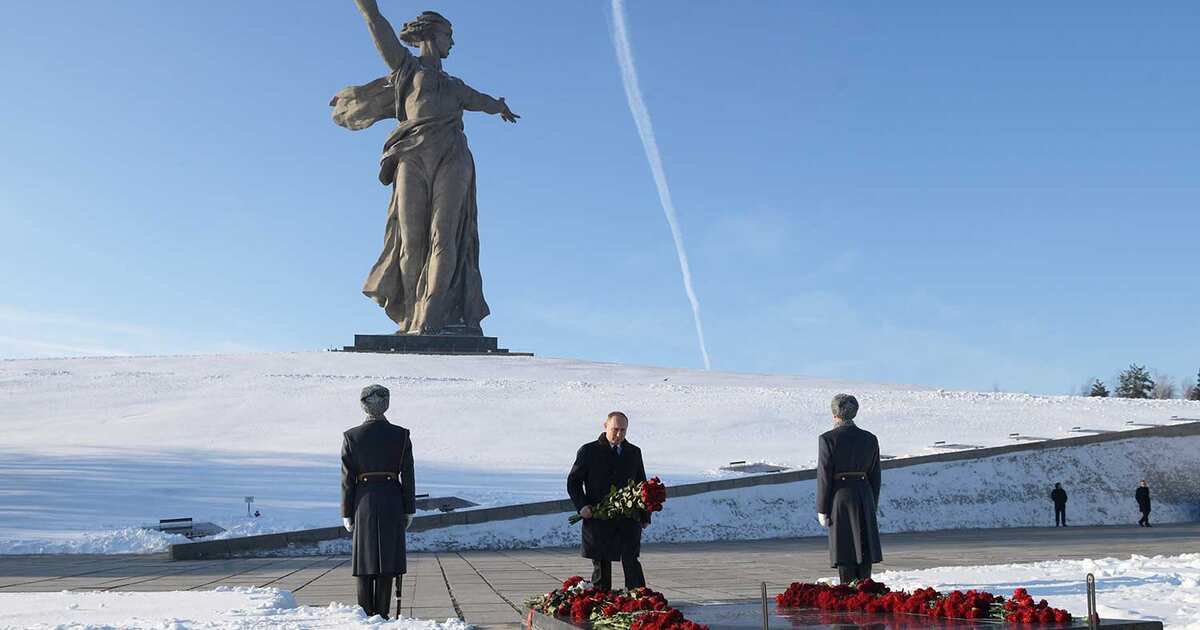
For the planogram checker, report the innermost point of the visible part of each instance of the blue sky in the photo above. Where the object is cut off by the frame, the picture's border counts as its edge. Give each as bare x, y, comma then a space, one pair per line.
949, 194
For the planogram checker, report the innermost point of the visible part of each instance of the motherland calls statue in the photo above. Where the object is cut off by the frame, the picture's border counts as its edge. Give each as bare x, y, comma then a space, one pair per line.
427, 279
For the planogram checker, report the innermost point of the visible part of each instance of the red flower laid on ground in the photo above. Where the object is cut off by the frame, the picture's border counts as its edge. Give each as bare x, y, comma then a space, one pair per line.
581, 609
670, 619
611, 610
871, 596
1021, 608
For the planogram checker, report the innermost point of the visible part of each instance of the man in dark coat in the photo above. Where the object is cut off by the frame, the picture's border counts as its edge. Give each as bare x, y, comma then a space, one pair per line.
378, 501
1059, 496
848, 482
1143, 500
599, 465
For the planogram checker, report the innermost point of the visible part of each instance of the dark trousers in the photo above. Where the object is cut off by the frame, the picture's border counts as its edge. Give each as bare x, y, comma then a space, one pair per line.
848, 573
602, 573
1145, 522
375, 594
1060, 515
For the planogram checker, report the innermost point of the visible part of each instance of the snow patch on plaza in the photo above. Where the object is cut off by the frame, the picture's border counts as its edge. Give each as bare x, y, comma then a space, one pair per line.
1159, 588
236, 608
93, 447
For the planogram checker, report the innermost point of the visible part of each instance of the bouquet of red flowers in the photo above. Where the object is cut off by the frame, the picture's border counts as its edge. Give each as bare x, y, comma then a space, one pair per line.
561, 600
634, 609
871, 596
630, 501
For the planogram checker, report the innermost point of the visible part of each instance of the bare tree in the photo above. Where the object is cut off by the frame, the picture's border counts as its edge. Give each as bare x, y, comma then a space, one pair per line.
1164, 386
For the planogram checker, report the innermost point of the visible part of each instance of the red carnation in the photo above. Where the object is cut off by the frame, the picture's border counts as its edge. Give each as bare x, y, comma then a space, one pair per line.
654, 494
571, 581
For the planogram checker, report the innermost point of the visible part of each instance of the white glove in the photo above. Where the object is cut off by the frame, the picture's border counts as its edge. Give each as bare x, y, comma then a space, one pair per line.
823, 520
348, 524
408, 521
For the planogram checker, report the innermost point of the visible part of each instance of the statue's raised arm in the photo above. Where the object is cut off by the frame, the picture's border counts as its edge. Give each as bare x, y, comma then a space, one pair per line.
389, 46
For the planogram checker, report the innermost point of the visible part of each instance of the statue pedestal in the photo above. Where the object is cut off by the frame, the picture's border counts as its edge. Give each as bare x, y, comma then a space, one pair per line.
431, 344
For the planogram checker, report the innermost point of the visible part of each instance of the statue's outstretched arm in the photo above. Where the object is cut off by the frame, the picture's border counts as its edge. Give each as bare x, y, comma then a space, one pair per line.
475, 101
394, 52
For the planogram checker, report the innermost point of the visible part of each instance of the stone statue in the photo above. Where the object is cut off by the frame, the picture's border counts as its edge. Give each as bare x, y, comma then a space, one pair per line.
427, 279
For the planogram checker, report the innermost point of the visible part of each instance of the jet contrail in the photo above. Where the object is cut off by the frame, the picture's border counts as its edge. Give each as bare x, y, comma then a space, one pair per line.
641, 116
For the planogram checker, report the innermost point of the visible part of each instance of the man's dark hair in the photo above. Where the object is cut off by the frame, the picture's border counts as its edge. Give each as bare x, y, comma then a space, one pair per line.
616, 414
845, 407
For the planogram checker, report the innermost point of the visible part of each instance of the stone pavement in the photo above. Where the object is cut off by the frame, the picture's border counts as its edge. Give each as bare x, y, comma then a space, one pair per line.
486, 588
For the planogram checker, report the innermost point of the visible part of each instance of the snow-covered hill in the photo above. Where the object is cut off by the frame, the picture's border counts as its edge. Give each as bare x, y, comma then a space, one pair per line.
100, 444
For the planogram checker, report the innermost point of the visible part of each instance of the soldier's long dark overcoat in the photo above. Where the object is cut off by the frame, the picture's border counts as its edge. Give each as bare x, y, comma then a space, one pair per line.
598, 468
851, 501
378, 507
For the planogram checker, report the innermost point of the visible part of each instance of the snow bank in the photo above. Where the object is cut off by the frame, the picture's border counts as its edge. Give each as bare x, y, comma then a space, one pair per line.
237, 608
1000, 491
127, 540
1162, 588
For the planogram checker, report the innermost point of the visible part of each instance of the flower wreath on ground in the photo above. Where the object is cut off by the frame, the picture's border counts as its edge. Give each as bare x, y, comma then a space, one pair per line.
634, 609
871, 596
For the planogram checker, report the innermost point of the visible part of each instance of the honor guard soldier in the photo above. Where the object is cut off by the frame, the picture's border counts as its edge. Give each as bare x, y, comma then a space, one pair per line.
848, 480
378, 501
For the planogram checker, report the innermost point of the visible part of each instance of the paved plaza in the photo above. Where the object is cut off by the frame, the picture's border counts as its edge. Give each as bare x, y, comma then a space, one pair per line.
486, 588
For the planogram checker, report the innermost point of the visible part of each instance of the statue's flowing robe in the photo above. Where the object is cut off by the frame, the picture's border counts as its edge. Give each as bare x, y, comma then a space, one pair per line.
427, 278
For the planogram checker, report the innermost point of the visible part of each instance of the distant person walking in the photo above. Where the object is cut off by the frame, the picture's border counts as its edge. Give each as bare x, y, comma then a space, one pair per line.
1059, 496
378, 501
1143, 500
848, 481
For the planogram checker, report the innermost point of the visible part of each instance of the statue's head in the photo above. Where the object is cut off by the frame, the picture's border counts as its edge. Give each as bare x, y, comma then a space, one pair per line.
430, 30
